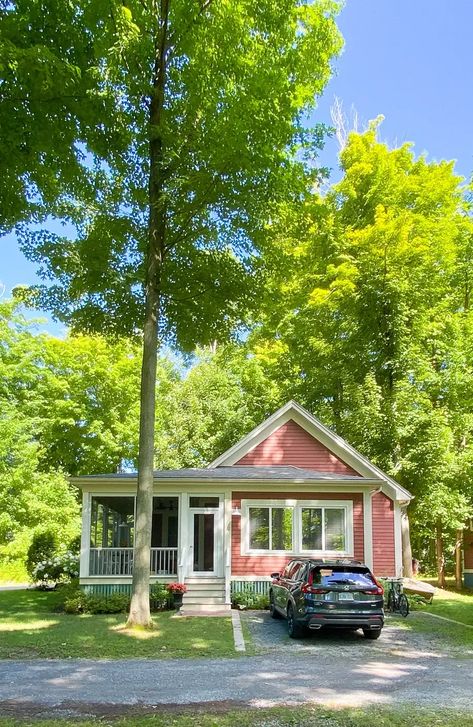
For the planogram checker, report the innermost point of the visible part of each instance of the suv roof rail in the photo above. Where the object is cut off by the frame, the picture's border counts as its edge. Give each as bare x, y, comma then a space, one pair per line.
341, 561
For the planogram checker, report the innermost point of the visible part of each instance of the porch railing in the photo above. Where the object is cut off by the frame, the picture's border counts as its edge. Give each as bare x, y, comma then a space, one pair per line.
119, 562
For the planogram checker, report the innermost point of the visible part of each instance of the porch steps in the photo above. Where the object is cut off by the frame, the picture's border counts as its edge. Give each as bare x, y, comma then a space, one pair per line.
204, 595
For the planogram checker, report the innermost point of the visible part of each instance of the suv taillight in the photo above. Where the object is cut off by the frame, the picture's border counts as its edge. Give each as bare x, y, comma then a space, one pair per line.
307, 588
377, 589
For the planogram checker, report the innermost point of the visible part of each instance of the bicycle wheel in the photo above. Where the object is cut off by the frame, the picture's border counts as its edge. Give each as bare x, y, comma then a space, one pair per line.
403, 605
390, 603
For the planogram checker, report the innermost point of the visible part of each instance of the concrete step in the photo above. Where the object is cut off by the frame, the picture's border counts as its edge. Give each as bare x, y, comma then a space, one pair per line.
207, 580
205, 587
193, 609
205, 598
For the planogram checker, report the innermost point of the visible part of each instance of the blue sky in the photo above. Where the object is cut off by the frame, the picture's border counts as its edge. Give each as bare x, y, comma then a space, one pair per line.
408, 60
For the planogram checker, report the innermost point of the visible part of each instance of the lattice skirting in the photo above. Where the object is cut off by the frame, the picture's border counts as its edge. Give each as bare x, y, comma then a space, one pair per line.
259, 587
107, 589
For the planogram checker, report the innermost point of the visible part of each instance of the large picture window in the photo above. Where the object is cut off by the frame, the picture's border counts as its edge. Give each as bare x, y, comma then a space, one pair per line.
298, 527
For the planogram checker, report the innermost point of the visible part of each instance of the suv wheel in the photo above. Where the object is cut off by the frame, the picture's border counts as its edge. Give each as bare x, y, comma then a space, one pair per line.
372, 633
293, 629
272, 608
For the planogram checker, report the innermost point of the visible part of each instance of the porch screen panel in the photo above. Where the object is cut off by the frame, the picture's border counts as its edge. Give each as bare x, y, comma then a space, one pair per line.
334, 525
165, 522
112, 522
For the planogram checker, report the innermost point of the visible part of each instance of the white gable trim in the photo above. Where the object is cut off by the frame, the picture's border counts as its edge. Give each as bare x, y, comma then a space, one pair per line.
335, 444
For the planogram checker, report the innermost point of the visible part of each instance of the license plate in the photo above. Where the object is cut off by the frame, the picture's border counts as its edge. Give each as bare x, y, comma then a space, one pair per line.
345, 596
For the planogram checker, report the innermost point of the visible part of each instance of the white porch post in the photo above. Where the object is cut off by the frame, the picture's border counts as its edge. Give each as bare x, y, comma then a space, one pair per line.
85, 535
227, 545
183, 554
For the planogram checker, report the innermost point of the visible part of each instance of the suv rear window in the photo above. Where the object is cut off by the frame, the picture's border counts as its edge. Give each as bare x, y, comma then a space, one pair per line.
342, 575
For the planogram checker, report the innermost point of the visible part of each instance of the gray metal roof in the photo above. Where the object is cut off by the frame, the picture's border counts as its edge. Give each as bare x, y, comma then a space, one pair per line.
235, 472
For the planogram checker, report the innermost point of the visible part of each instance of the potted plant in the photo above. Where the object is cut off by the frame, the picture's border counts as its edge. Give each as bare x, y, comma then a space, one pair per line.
177, 590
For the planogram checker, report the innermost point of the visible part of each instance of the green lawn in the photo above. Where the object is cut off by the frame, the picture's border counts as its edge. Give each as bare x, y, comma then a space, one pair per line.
276, 717
453, 604
450, 604
31, 628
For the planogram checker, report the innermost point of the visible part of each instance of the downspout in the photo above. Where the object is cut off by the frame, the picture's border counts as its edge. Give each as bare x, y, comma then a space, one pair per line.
406, 542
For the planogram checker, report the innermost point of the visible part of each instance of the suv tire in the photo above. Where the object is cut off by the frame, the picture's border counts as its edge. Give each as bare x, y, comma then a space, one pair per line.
274, 613
293, 629
372, 633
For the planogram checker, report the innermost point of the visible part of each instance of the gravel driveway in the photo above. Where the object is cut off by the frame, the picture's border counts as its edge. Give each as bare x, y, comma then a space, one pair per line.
402, 667
397, 639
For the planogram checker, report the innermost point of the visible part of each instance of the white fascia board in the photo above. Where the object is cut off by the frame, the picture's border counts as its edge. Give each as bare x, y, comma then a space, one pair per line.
333, 442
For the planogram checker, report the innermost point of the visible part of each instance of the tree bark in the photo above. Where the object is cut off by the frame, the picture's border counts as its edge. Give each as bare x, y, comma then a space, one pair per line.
440, 557
140, 609
406, 546
458, 559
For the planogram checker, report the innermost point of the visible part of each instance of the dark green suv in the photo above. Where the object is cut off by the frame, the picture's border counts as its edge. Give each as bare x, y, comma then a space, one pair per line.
312, 594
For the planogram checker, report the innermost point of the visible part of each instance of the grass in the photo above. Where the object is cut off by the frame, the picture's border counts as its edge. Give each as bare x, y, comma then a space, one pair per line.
456, 605
31, 627
275, 717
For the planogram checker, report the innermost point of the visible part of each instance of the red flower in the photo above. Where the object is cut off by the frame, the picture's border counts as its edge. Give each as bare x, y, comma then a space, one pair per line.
176, 587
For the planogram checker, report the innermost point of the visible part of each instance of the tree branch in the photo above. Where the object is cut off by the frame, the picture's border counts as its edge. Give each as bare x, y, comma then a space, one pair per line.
172, 46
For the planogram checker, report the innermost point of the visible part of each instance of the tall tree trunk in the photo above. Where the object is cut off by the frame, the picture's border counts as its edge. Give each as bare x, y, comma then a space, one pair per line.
440, 557
406, 545
139, 608
458, 559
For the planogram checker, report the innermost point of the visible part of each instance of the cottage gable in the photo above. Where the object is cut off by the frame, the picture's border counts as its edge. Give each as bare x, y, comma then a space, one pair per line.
290, 444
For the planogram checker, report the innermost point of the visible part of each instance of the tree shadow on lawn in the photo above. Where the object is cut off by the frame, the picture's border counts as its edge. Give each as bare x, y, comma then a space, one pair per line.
32, 627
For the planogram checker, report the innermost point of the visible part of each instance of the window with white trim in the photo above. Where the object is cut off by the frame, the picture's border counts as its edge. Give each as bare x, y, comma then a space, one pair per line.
300, 527
323, 528
270, 528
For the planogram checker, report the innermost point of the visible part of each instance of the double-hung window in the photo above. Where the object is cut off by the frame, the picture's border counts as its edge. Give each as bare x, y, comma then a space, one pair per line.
297, 526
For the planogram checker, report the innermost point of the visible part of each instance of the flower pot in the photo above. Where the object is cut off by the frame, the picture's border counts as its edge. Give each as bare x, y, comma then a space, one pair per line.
177, 600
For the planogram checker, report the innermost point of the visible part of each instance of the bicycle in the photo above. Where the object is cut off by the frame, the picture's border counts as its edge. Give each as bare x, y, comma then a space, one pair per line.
397, 600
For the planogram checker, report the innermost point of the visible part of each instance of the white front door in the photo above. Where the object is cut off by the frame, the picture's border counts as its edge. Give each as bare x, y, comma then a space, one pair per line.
206, 535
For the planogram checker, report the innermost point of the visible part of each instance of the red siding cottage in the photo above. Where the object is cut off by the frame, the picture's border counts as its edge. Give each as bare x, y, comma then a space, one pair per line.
291, 487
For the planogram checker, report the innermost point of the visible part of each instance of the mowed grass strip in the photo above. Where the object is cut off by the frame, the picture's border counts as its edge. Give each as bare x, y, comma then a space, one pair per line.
31, 627
276, 717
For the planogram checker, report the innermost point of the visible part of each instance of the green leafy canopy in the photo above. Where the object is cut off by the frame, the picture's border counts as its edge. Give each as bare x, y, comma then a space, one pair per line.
241, 77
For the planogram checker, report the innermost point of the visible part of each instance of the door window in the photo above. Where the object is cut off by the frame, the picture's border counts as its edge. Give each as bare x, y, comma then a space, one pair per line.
203, 542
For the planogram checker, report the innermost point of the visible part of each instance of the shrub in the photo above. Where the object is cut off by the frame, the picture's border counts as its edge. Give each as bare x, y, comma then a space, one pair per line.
74, 545
56, 568
43, 546
77, 601
250, 599
158, 597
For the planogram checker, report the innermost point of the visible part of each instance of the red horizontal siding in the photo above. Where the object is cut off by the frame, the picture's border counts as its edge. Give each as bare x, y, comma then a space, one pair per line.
384, 563
468, 549
264, 565
292, 445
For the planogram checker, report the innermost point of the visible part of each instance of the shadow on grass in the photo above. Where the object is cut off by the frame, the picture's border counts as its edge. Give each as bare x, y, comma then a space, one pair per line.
32, 627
